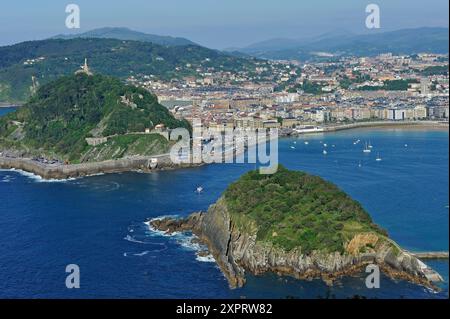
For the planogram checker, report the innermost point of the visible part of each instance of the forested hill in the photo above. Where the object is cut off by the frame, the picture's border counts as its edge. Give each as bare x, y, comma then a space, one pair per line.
127, 34
293, 209
62, 114
48, 60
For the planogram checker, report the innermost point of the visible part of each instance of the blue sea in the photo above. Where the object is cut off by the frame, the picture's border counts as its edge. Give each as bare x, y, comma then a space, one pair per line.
99, 224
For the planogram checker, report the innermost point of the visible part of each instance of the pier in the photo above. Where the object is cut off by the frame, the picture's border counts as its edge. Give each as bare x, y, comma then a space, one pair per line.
431, 255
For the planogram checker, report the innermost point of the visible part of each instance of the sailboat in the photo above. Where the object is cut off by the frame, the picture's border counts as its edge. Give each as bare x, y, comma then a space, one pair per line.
370, 146
367, 149
378, 159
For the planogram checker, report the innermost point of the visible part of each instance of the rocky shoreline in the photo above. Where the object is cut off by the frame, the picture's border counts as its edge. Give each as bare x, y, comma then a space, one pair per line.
61, 171
237, 252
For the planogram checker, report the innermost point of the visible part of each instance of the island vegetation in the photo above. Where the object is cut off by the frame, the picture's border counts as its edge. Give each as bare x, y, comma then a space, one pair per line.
293, 209
293, 223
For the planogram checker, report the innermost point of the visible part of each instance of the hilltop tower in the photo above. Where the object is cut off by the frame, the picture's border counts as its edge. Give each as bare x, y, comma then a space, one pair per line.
84, 68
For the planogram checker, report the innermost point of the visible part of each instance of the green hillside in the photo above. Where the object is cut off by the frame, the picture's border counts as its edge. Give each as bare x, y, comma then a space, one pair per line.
293, 209
48, 60
62, 114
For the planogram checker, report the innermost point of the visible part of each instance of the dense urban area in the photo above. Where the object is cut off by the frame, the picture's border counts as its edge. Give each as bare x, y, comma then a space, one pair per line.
289, 94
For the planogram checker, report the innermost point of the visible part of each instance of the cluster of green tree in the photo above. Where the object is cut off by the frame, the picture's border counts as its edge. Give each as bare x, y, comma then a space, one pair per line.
311, 87
346, 82
293, 209
106, 56
59, 117
435, 70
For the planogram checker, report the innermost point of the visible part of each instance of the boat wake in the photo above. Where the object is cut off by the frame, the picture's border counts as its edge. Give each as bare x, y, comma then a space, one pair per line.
128, 254
7, 179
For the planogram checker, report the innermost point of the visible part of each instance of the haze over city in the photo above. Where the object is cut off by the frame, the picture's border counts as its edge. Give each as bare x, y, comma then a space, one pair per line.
218, 24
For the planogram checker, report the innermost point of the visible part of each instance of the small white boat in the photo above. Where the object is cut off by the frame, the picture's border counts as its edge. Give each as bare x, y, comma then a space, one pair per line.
370, 146
367, 149
325, 145
359, 165
378, 159
306, 143
325, 152
293, 147
199, 190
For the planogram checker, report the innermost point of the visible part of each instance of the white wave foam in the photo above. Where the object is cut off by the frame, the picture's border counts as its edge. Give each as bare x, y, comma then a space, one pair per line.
158, 232
39, 179
206, 259
186, 241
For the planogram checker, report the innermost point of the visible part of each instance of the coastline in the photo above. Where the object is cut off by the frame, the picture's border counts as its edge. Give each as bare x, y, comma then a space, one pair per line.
237, 252
142, 163
389, 124
61, 172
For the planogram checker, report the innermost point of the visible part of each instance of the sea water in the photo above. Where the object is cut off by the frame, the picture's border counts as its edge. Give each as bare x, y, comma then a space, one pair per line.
100, 223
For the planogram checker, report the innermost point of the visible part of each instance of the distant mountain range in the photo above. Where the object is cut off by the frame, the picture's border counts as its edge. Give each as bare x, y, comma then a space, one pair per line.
128, 34
407, 41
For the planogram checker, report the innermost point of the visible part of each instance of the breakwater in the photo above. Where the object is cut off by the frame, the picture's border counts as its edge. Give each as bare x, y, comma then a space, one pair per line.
434, 124
60, 171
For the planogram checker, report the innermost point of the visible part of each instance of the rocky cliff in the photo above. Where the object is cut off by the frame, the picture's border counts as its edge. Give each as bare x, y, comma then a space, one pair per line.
237, 251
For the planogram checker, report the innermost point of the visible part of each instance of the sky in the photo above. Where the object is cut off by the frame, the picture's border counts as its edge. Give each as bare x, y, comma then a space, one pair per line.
217, 23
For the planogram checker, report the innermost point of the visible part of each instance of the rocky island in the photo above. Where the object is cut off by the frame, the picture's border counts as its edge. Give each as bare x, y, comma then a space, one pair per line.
292, 223
87, 124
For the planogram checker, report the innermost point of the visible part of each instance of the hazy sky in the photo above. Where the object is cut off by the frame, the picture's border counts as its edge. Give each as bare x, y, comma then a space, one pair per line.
216, 23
